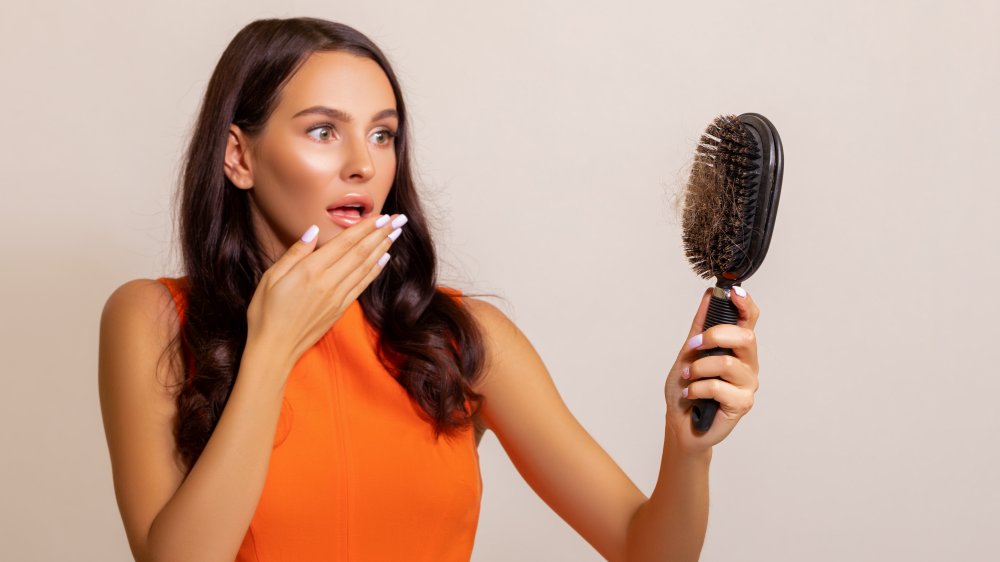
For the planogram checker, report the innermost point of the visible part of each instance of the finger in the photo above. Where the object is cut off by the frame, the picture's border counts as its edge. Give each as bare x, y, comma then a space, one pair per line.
295, 253
727, 367
352, 268
699, 316
743, 342
359, 279
749, 313
347, 240
732, 400
373, 272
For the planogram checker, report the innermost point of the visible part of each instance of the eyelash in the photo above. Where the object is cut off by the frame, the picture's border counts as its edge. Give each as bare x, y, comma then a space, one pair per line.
389, 132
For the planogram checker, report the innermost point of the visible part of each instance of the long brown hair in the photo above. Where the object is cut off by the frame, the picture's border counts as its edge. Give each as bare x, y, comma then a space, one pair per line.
426, 337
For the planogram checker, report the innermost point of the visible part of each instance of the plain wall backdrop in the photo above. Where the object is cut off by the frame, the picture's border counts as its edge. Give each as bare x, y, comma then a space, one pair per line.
550, 141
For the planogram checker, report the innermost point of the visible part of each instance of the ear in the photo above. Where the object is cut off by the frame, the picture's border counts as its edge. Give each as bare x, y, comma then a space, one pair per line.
236, 162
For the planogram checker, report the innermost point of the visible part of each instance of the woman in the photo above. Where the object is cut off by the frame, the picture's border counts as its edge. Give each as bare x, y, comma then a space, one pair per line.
323, 398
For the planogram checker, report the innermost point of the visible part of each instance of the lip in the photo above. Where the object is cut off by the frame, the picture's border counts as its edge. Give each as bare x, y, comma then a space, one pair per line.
351, 199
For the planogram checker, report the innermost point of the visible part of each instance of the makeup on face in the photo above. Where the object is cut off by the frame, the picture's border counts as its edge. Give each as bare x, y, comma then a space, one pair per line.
330, 148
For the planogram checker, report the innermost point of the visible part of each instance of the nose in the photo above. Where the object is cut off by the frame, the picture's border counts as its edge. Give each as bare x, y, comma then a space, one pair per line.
358, 165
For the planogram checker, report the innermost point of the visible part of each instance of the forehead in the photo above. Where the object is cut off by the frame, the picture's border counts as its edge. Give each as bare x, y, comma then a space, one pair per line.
345, 81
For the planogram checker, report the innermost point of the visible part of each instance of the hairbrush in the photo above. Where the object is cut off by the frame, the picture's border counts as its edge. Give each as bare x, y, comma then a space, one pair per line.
730, 204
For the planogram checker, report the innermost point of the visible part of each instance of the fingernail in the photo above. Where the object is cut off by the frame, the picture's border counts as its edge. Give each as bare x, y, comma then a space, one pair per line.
684, 392
695, 342
395, 234
686, 373
310, 234
383, 260
381, 221
740, 290
399, 221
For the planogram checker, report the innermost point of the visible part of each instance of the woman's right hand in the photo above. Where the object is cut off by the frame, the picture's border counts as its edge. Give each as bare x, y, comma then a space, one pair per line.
306, 290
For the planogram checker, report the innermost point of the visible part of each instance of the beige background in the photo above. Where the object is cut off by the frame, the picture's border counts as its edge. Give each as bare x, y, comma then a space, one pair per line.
550, 139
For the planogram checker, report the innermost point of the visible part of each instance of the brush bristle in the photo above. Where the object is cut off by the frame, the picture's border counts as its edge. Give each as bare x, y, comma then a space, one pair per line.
721, 197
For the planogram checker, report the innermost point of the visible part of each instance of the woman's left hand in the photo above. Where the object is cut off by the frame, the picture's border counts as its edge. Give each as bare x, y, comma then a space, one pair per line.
733, 390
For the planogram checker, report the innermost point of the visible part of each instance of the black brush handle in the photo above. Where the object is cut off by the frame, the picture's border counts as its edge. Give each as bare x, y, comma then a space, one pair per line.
721, 310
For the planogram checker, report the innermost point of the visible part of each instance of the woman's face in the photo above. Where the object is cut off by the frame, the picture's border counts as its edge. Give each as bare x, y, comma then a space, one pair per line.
331, 136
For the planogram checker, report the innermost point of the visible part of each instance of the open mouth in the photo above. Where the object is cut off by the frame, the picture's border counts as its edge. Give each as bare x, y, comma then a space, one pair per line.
351, 211
352, 207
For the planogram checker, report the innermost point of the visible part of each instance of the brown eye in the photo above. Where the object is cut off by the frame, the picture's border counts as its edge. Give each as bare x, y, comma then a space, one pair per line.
328, 130
387, 135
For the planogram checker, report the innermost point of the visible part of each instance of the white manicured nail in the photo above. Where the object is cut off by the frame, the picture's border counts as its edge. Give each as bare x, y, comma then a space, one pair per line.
695, 342
399, 221
395, 234
381, 221
310, 234
383, 260
740, 290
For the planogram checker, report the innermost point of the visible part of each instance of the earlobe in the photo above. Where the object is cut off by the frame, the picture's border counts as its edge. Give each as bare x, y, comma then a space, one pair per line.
236, 160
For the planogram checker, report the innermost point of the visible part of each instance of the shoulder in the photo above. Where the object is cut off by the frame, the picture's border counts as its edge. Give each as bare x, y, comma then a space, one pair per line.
498, 333
502, 339
138, 290
138, 325
488, 316
138, 402
491, 318
140, 313
480, 309
139, 301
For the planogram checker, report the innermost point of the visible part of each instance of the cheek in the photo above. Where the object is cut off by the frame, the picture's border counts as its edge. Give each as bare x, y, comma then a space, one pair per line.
385, 171
298, 169
299, 175
388, 168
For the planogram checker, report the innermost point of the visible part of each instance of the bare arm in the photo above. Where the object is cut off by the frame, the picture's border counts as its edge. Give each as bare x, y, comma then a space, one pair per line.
671, 525
573, 474
548, 446
207, 518
204, 516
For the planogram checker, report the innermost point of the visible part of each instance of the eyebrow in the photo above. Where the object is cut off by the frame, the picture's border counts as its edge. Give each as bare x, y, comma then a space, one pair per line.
339, 115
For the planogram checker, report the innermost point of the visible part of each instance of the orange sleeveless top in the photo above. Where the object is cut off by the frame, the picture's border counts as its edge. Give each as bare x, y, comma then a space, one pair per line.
355, 474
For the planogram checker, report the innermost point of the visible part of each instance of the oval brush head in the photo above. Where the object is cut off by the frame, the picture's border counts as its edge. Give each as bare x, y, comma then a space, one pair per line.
729, 209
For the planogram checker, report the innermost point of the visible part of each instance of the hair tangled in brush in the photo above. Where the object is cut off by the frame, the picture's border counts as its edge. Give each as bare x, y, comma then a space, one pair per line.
720, 198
